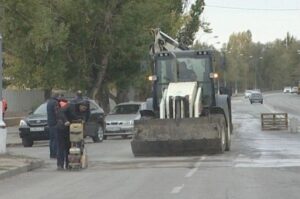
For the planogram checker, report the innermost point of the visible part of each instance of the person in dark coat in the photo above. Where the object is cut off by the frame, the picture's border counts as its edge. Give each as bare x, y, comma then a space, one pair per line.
63, 135
81, 107
52, 109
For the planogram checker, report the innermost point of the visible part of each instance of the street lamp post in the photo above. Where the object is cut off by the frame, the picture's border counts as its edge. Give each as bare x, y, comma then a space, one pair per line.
3, 130
260, 58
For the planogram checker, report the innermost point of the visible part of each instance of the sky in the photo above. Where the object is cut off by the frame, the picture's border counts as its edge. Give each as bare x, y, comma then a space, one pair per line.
266, 19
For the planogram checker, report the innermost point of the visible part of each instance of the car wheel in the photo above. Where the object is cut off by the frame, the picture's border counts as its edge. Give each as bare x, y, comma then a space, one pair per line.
27, 142
104, 137
99, 135
251, 102
124, 136
261, 102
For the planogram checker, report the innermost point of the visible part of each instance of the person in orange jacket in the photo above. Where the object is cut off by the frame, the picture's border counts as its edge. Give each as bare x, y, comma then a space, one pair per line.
4, 107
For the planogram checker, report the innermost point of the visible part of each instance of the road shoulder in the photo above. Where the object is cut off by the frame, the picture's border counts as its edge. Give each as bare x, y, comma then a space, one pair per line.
11, 165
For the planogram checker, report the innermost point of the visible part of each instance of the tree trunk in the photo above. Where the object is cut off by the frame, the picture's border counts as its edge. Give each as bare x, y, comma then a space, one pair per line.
104, 100
100, 76
96, 89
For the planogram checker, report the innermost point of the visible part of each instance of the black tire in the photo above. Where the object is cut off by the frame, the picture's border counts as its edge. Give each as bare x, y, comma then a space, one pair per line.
251, 102
228, 139
27, 142
99, 136
261, 102
96, 139
104, 137
124, 136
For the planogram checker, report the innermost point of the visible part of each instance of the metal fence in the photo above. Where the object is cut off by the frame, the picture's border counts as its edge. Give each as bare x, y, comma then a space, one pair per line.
274, 121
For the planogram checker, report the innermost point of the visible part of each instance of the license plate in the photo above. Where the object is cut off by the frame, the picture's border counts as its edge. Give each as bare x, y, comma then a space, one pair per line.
37, 129
113, 129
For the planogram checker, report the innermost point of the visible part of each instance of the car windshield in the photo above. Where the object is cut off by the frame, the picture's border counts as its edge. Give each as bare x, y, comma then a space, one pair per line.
126, 109
256, 94
41, 110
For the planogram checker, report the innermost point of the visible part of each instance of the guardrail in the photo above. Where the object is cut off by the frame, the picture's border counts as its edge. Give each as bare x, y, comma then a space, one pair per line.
274, 121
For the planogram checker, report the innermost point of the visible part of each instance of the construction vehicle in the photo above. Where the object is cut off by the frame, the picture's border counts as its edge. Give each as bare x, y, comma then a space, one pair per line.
187, 116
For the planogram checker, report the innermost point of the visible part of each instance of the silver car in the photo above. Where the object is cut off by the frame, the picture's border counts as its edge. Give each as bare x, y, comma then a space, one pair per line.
256, 97
119, 122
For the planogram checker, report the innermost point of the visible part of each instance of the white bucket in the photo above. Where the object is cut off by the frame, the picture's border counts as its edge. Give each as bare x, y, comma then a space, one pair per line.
3, 132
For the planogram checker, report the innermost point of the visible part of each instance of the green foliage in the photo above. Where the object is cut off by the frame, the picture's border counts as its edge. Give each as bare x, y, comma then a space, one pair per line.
87, 44
192, 23
266, 66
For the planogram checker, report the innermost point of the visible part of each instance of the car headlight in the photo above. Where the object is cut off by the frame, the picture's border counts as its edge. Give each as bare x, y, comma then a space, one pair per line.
23, 123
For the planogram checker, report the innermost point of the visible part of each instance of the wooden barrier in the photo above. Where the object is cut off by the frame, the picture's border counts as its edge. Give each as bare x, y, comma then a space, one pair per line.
274, 121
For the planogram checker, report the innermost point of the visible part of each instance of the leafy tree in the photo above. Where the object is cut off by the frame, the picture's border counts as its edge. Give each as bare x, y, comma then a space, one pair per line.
85, 44
269, 66
191, 26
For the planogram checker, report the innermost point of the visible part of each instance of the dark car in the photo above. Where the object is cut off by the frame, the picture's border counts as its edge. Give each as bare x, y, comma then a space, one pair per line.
256, 97
34, 126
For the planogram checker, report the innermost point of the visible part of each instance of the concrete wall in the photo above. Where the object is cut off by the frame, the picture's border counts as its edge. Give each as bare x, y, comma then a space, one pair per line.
26, 100
22, 100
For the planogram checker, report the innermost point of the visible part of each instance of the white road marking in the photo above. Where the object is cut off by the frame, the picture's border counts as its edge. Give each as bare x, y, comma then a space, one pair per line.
177, 189
267, 163
196, 166
271, 109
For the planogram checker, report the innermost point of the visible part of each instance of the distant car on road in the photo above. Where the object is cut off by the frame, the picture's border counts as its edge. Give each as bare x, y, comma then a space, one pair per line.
294, 89
287, 89
256, 97
34, 126
119, 122
248, 93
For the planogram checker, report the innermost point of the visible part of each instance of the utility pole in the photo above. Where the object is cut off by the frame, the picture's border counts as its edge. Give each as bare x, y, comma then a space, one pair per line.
3, 130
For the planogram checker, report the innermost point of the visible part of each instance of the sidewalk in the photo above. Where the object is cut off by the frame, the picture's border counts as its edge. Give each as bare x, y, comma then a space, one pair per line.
13, 138
11, 165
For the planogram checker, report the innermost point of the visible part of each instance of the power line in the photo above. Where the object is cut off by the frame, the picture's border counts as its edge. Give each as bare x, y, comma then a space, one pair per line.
255, 9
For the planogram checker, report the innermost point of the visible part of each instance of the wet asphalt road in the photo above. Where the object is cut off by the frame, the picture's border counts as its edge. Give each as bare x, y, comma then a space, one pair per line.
261, 164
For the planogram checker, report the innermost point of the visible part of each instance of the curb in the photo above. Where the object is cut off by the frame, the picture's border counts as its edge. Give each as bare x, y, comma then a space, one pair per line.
12, 121
13, 144
35, 164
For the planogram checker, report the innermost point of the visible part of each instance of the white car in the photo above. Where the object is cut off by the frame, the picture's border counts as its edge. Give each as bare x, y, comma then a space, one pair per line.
248, 93
287, 89
119, 122
294, 89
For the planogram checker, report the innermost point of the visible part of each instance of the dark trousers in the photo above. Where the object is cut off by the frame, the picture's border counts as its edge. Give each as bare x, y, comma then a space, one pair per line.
53, 141
63, 142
